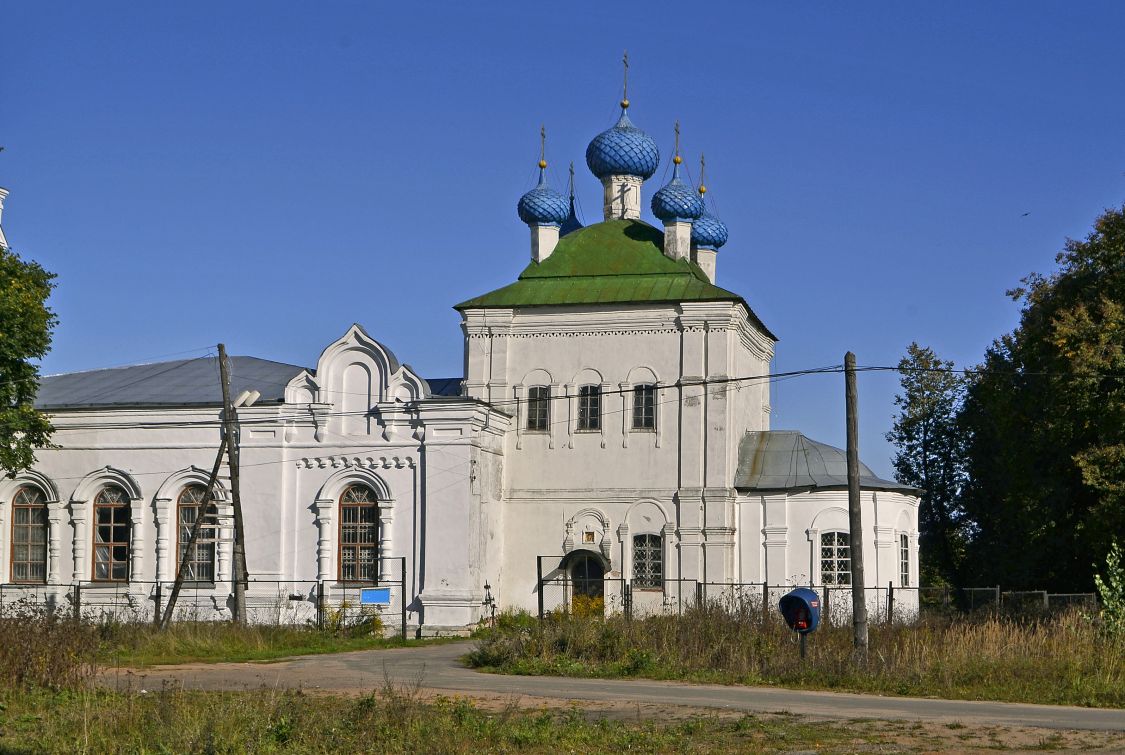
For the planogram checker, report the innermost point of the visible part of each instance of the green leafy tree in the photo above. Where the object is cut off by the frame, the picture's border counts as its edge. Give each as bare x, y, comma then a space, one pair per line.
1111, 590
1044, 423
929, 455
26, 323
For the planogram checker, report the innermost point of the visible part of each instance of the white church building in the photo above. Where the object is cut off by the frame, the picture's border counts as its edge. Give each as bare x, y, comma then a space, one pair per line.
610, 434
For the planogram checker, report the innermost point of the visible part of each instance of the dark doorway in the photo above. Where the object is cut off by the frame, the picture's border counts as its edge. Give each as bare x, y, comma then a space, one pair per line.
588, 573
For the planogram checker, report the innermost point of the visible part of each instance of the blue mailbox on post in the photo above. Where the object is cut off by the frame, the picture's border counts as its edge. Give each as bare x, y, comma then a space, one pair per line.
801, 609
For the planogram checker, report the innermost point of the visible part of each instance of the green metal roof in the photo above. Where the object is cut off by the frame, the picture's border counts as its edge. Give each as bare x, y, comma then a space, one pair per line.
615, 262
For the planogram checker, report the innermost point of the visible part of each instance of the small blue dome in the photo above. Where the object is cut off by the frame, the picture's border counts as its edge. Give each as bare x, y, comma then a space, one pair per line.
677, 200
543, 205
623, 150
708, 232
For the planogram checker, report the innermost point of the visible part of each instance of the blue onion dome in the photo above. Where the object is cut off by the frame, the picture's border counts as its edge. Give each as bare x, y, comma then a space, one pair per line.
543, 205
708, 232
623, 150
676, 201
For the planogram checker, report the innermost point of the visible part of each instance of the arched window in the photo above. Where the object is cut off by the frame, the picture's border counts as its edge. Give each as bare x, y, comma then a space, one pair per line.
539, 408
359, 535
111, 535
648, 562
904, 560
29, 536
835, 558
200, 566
644, 407
590, 407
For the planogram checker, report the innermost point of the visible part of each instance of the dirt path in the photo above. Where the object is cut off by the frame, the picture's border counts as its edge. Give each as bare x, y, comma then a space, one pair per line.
436, 670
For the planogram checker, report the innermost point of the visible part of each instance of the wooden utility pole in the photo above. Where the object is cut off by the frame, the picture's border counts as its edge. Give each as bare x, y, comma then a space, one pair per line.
196, 527
230, 427
855, 521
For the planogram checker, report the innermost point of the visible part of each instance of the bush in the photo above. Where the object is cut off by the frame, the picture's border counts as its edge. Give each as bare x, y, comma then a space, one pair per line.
1111, 590
45, 649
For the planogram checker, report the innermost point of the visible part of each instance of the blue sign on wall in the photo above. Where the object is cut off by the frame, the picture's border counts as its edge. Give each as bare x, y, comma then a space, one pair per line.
375, 596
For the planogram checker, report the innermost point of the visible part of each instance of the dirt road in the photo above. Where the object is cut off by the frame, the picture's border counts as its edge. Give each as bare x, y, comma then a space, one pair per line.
437, 669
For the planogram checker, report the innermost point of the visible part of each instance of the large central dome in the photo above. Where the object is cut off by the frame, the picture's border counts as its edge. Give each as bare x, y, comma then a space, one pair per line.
623, 150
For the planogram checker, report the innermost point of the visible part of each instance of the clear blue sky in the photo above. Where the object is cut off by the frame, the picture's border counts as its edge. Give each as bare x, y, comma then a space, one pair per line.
264, 174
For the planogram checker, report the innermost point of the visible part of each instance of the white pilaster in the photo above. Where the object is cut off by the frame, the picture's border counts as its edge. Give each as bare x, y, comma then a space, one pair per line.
386, 519
136, 539
324, 539
54, 540
224, 556
79, 520
166, 564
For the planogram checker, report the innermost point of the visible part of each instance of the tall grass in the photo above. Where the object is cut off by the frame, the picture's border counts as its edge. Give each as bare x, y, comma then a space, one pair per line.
43, 649
1063, 659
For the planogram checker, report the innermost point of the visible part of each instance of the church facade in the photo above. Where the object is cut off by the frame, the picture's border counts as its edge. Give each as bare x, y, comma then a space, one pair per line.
610, 433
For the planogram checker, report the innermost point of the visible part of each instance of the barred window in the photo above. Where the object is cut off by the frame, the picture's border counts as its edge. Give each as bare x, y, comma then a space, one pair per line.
29, 536
359, 535
648, 561
590, 407
111, 535
835, 558
200, 565
904, 560
538, 408
644, 407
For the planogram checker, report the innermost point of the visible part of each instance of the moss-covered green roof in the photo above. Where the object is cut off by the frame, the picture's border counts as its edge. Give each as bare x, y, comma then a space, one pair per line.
615, 262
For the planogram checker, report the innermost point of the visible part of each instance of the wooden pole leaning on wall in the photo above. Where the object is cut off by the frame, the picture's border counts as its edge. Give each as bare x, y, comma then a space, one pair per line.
855, 521
230, 425
196, 527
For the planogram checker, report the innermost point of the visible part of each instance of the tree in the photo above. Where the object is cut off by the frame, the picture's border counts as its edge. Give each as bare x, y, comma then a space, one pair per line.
930, 456
1044, 423
26, 323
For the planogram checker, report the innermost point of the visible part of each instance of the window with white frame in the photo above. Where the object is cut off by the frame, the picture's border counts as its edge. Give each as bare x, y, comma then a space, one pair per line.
835, 558
112, 525
200, 563
359, 535
648, 562
538, 408
904, 560
29, 536
590, 407
644, 407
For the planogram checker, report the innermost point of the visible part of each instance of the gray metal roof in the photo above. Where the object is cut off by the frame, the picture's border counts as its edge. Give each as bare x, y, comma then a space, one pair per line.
787, 460
184, 382
179, 383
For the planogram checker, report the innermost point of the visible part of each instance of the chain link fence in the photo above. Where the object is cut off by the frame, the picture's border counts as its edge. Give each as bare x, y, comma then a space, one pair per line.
313, 603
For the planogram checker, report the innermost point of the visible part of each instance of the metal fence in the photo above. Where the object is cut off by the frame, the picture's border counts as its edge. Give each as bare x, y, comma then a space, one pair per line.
315, 603
559, 593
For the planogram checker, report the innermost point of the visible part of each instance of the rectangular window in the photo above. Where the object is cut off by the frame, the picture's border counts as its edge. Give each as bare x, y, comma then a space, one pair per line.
644, 407
111, 543
835, 558
200, 566
648, 562
590, 407
904, 560
538, 408
29, 544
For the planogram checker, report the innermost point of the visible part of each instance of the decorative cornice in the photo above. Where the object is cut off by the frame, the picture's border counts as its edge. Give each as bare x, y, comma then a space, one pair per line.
347, 462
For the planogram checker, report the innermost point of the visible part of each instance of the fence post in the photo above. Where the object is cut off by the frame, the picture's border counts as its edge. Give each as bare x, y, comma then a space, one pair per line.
157, 612
402, 596
539, 583
320, 604
997, 597
765, 603
699, 594
890, 603
827, 613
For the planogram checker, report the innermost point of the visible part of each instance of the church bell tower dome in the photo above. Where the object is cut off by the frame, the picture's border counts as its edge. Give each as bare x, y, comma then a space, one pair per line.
708, 232
677, 202
623, 150
543, 205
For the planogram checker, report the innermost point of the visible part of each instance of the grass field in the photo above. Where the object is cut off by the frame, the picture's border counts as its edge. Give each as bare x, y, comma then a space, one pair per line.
1064, 659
